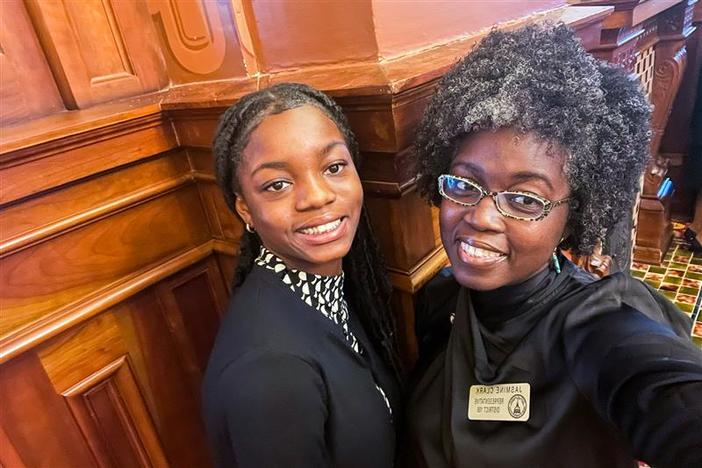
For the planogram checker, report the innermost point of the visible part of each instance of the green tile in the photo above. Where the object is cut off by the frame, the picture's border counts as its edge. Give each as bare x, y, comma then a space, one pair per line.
672, 280
695, 276
696, 260
638, 274
653, 284
687, 308
687, 290
669, 294
656, 269
697, 341
678, 266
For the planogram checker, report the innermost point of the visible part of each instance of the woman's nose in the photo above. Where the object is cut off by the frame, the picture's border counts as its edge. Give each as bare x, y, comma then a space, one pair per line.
485, 216
314, 192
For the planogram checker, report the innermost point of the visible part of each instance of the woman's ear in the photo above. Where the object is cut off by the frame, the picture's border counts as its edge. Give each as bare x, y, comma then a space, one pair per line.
243, 210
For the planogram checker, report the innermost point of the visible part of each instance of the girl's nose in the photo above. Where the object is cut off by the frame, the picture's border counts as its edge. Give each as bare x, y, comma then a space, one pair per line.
314, 192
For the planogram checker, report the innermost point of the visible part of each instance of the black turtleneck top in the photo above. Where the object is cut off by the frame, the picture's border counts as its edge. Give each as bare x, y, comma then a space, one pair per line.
613, 375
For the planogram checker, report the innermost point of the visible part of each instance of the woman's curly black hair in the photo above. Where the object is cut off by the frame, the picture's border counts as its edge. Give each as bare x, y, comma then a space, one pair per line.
367, 287
540, 79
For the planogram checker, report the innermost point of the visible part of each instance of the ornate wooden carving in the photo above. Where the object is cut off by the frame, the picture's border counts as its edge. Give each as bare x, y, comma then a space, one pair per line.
194, 33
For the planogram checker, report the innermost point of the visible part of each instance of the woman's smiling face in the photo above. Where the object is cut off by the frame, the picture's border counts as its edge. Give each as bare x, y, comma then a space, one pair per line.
488, 250
299, 189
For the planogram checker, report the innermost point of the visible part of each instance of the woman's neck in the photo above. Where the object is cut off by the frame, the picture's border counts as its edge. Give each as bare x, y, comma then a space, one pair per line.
498, 305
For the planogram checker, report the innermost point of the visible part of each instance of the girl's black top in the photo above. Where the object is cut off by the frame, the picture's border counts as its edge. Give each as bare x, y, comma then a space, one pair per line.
613, 375
290, 386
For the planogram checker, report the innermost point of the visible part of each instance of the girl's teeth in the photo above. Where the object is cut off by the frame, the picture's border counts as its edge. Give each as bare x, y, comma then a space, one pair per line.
478, 252
322, 228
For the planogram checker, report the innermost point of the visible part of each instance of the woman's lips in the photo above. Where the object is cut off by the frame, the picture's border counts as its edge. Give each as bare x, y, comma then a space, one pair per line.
479, 256
324, 233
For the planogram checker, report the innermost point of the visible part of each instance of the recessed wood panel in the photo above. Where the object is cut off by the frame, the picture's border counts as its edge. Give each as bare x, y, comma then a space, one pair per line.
22, 61
98, 49
41, 279
112, 414
164, 370
37, 421
194, 301
99, 40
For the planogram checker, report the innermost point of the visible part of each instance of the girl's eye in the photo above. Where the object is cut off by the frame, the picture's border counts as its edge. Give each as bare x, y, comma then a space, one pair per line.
336, 168
277, 186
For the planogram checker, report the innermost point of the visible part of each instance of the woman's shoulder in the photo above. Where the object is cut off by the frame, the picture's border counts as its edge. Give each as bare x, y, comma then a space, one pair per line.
626, 300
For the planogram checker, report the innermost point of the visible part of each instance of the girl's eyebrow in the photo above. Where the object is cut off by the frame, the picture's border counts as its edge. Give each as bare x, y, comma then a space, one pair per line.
282, 165
270, 165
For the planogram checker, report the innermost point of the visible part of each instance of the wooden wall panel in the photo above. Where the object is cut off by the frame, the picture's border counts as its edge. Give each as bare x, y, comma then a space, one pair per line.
99, 50
167, 373
36, 420
22, 61
72, 158
194, 302
39, 217
43, 278
89, 367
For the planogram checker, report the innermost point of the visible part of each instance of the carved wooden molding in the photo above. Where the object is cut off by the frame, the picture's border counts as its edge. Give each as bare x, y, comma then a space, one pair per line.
108, 405
27, 337
668, 74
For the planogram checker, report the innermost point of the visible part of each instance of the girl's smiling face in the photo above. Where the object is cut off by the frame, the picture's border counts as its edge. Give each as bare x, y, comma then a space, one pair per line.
299, 189
488, 250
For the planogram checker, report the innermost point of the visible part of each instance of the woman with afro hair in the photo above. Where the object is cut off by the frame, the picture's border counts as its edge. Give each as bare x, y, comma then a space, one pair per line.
530, 145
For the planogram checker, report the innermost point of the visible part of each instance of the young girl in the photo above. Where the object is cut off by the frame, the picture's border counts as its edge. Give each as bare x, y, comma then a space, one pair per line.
303, 371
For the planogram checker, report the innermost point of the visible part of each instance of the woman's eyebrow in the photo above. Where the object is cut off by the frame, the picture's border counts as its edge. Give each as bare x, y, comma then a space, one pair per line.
529, 175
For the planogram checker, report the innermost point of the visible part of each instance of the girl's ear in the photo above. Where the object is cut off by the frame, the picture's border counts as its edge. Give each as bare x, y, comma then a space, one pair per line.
243, 210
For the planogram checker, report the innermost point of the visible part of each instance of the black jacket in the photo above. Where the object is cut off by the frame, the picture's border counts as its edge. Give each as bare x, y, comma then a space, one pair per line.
284, 389
613, 374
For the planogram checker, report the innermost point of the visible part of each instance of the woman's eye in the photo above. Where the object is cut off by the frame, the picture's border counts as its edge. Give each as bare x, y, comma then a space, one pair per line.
524, 200
277, 186
336, 168
525, 203
460, 186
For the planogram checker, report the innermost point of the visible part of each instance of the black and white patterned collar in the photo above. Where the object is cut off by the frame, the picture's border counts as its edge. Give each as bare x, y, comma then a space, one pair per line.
324, 293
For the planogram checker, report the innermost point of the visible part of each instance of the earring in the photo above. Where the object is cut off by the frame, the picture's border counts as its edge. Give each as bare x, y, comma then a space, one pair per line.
554, 260
249, 228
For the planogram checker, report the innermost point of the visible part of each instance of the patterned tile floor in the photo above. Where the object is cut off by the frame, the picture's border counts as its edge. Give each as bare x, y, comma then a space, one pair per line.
679, 278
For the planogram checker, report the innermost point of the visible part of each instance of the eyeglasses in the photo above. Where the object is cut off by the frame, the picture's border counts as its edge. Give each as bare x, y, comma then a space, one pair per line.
518, 205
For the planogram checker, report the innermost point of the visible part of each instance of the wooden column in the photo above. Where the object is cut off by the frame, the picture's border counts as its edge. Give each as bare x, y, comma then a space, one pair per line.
648, 38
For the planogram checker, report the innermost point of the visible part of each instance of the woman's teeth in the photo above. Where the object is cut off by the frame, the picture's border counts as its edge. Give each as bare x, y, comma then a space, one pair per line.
478, 252
322, 228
